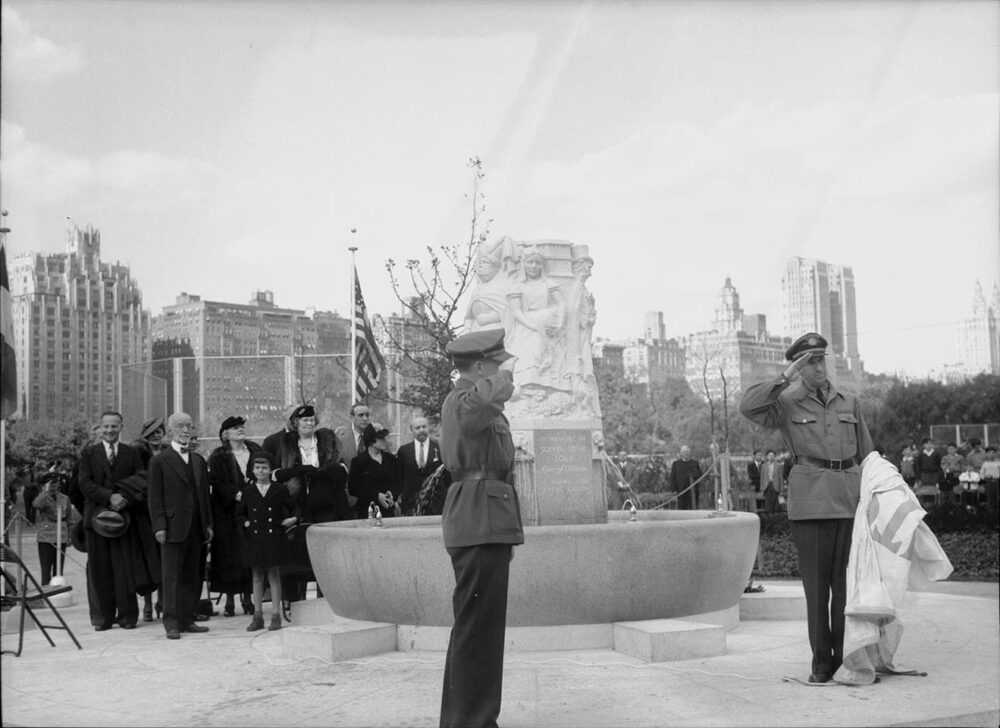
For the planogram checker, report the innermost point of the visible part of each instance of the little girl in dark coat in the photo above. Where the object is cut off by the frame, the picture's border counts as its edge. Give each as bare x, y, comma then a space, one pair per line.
265, 509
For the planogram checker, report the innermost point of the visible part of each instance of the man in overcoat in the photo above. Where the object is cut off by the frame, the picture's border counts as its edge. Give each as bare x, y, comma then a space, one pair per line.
181, 515
110, 587
481, 524
684, 471
826, 434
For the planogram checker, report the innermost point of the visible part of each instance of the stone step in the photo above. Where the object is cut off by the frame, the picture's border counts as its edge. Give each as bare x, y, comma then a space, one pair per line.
776, 602
667, 640
346, 639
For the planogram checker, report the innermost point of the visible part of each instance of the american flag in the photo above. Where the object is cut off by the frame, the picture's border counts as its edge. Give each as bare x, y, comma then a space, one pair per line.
8, 376
369, 359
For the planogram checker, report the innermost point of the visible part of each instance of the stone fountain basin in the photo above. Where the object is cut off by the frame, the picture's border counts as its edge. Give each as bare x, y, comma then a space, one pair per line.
668, 564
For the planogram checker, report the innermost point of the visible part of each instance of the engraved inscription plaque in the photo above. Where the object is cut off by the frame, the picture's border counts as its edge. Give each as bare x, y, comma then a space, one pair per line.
564, 480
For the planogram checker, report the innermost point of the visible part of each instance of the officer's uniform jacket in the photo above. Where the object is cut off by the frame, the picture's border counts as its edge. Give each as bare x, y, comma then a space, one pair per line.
477, 449
834, 432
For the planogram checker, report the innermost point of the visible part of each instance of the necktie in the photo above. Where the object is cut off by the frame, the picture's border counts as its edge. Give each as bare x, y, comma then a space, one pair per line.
360, 446
822, 397
420, 457
112, 456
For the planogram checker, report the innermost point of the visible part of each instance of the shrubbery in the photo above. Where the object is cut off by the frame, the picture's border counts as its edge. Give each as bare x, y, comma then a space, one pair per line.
974, 550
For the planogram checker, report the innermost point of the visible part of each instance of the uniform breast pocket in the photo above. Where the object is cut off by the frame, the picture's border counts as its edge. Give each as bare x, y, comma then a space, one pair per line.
848, 427
501, 508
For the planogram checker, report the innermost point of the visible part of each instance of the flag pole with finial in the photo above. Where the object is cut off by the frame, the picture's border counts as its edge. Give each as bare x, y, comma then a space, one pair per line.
354, 321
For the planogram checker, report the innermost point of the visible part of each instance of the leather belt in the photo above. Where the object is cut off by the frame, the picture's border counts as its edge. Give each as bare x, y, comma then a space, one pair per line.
479, 475
828, 464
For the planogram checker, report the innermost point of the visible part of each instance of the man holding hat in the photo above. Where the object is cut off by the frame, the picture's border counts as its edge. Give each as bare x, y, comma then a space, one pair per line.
481, 524
826, 434
112, 596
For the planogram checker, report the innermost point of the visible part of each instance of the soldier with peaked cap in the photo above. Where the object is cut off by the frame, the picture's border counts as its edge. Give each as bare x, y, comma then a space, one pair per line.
481, 523
826, 434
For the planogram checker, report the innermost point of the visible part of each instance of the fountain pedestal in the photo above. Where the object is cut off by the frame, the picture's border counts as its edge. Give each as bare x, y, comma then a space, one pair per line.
557, 483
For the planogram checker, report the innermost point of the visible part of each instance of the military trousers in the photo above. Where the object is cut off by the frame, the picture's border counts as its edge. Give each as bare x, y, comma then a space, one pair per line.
824, 546
473, 670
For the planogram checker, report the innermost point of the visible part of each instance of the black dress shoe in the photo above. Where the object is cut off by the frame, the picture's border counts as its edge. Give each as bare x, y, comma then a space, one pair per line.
128, 625
201, 618
814, 678
101, 627
173, 634
195, 628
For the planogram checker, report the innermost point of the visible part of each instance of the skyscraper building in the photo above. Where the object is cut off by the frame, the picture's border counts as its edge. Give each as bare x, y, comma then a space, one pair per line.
250, 359
76, 321
978, 337
819, 296
736, 352
653, 358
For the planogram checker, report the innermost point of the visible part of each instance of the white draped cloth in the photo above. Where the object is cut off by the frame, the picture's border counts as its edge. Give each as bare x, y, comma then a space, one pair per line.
892, 549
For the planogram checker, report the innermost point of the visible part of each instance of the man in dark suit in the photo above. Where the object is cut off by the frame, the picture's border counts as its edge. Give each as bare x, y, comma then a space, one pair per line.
417, 459
349, 443
111, 594
753, 471
684, 471
481, 523
181, 515
772, 477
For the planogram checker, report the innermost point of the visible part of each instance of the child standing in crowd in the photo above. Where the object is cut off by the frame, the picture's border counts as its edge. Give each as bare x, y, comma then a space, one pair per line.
265, 509
47, 504
989, 474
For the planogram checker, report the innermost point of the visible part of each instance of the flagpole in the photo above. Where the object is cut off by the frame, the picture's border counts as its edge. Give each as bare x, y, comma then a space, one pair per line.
354, 322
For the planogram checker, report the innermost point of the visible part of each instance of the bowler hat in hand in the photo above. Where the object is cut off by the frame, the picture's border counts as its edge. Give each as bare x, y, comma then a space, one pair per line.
110, 524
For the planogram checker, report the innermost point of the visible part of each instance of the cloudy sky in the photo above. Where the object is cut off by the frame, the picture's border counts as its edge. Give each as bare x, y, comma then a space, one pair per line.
224, 147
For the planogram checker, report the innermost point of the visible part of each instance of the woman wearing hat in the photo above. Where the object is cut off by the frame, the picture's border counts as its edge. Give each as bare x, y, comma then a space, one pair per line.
375, 474
229, 467
310, 464
150, 439
146, 551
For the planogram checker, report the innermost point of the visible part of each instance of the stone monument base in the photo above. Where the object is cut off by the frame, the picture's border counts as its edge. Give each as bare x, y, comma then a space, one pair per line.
556, 480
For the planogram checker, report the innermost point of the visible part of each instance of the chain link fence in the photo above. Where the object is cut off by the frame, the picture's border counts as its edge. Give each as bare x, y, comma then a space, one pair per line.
258, 388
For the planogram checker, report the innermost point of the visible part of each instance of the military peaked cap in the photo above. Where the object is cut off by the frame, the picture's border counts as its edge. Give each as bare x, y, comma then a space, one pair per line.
812, 343
479, 345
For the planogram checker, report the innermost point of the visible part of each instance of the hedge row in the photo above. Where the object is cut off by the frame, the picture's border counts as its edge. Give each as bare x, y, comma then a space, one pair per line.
974, 553
974, 550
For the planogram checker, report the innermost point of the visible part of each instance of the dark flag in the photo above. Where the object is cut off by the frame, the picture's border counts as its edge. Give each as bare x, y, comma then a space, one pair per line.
369, 359
8, 375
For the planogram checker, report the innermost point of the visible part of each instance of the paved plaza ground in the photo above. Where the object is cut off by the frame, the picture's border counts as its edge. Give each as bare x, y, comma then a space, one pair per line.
229, 677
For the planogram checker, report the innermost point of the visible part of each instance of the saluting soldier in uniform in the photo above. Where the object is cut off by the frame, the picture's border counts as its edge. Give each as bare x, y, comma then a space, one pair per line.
481, 523
823, 429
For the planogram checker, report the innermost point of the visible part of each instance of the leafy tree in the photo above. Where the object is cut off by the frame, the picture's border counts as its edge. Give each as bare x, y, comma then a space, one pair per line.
906, 410
33, 441
630, 420
432, 317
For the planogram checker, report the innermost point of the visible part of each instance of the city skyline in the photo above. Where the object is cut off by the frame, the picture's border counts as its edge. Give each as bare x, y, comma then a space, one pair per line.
721, 140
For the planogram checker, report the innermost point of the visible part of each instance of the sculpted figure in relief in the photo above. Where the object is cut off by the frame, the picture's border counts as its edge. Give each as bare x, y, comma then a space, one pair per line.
488, 305
581, 316
537, 318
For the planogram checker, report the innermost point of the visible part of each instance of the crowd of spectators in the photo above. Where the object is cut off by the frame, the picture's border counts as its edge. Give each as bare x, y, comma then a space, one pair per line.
124, 505
966, 474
